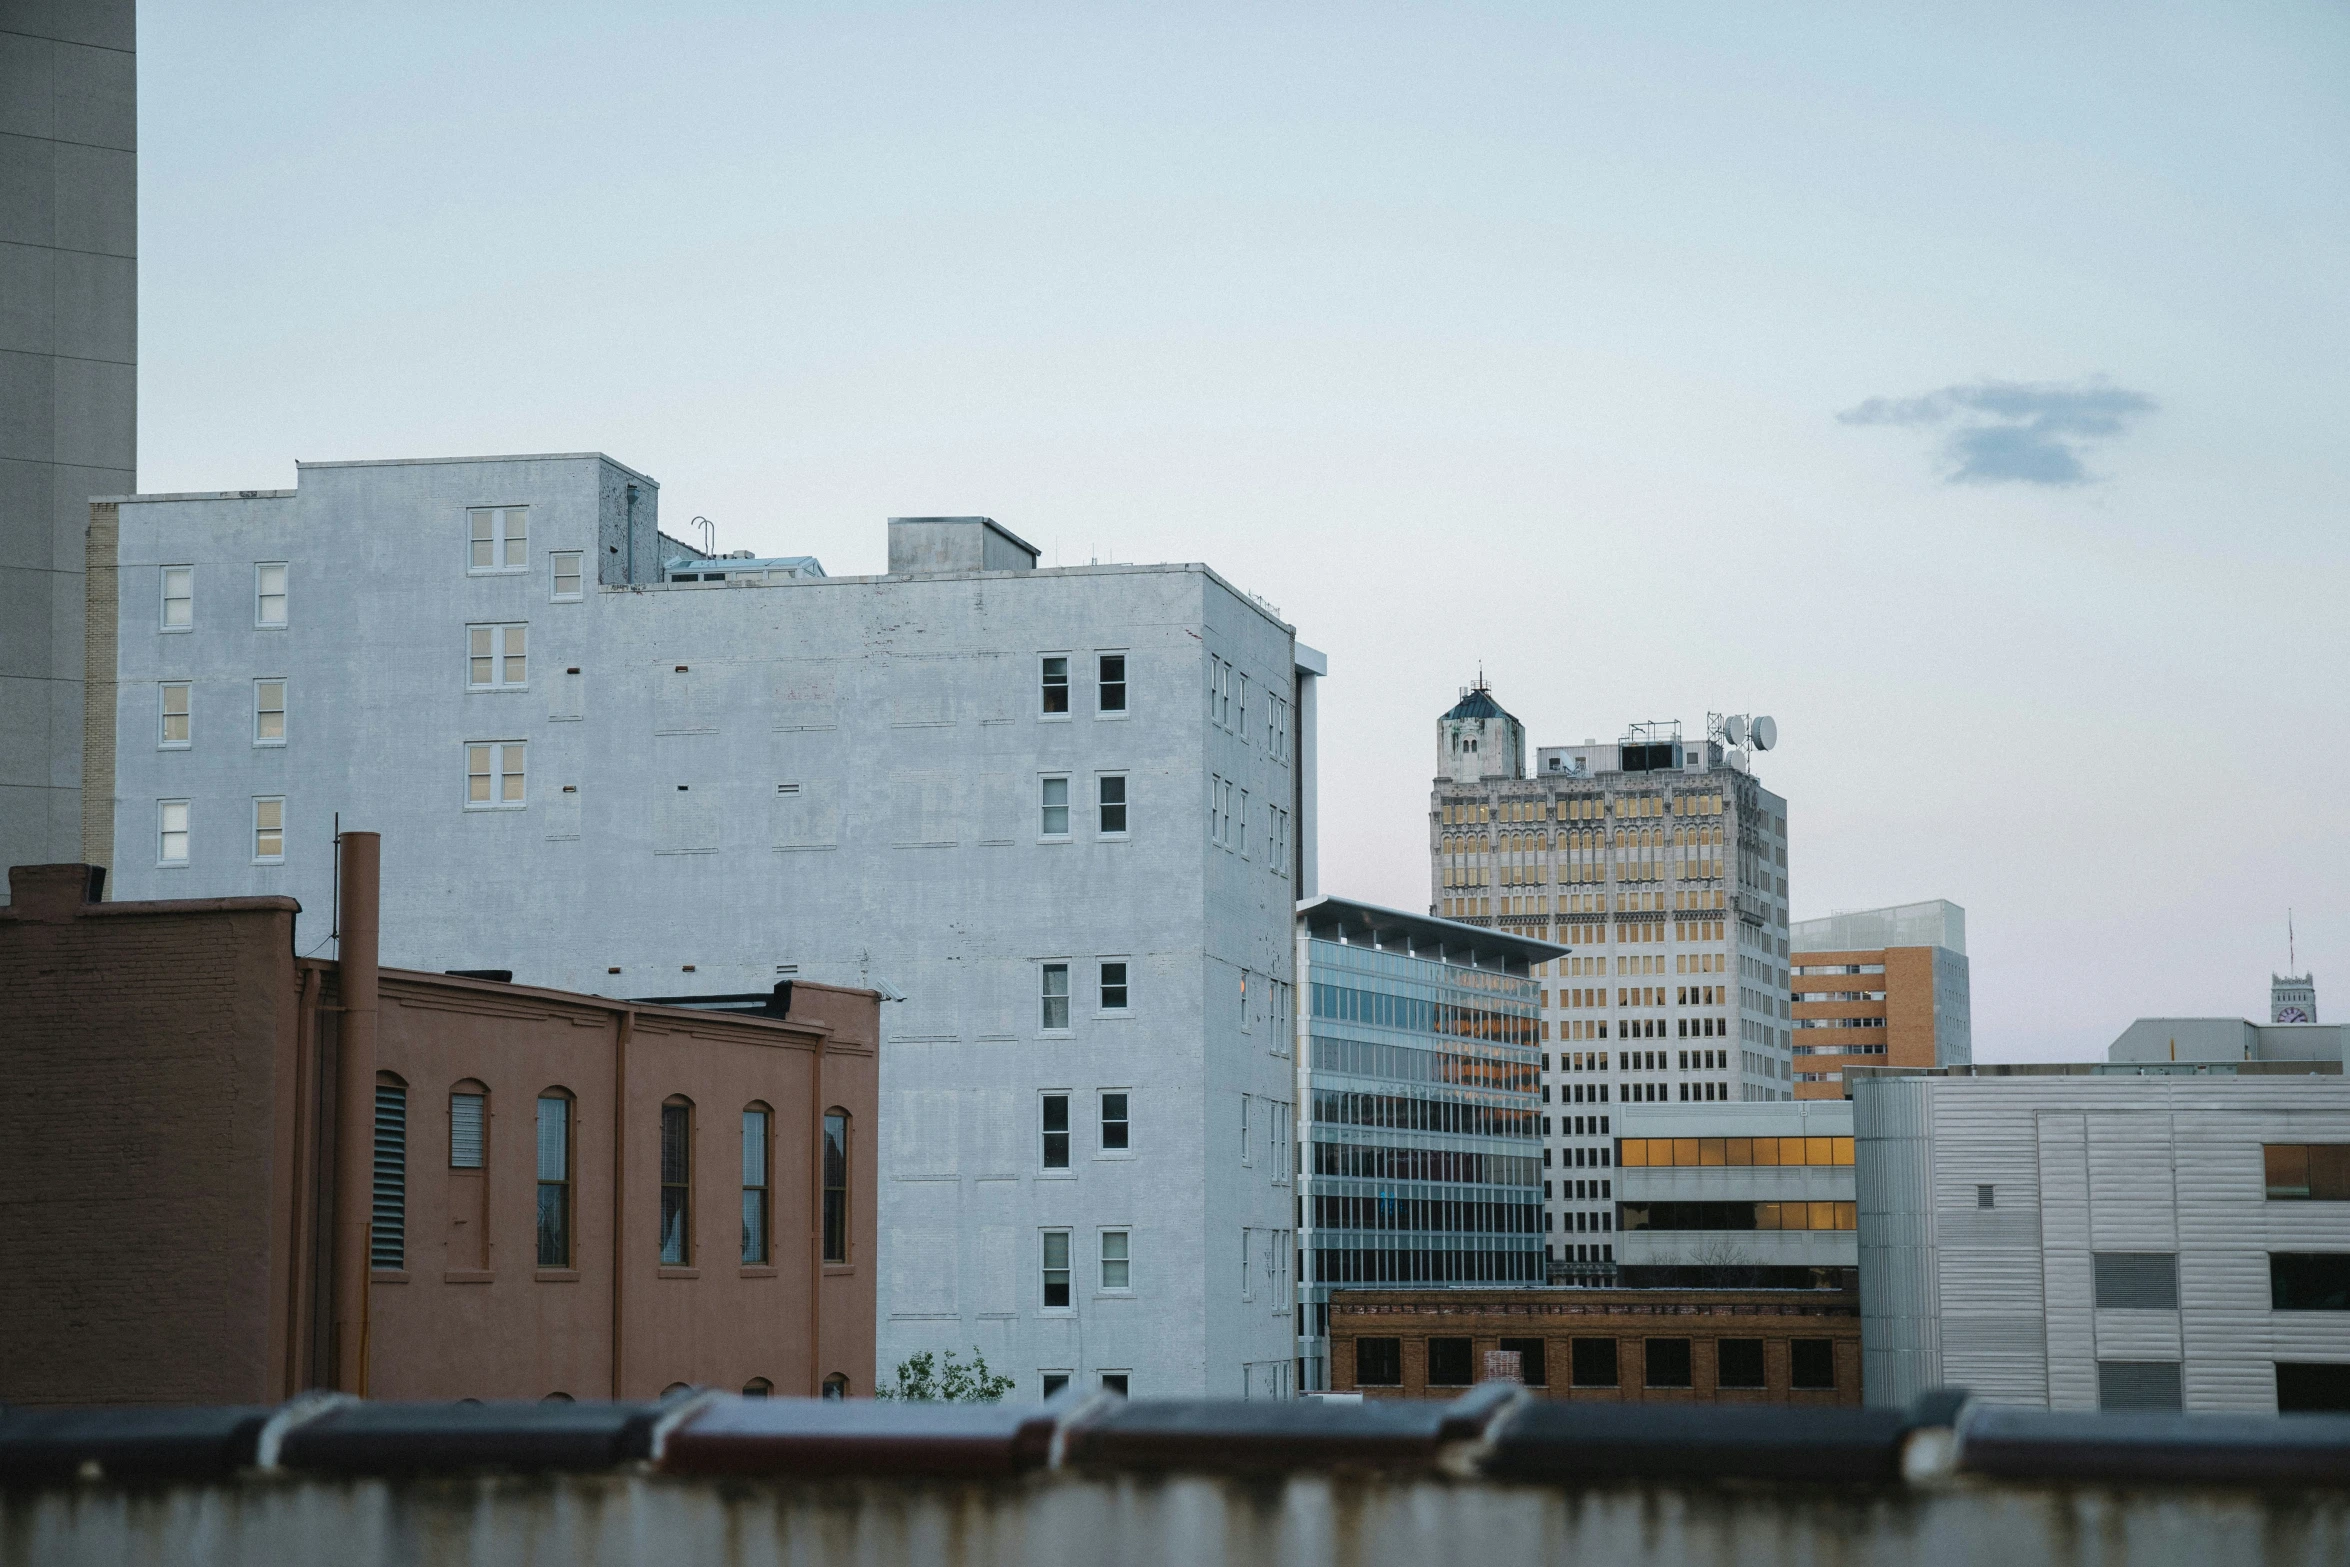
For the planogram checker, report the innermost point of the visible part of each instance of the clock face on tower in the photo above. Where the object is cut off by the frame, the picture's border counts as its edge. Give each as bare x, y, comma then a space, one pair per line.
2291, 1015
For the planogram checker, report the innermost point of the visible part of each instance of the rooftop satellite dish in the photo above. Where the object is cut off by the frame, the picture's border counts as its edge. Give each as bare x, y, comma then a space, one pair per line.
1766, 732
1734, 729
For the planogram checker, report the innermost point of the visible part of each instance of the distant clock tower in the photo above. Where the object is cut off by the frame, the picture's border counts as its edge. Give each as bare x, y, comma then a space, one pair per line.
2292, 998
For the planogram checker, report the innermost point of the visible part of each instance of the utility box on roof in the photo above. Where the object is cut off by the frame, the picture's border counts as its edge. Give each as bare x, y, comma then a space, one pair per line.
928, 546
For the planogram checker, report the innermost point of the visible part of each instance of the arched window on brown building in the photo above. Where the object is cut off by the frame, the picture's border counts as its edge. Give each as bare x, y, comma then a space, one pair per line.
836, 1186
677, 1181
468, 1245
554, 1177
757, 1195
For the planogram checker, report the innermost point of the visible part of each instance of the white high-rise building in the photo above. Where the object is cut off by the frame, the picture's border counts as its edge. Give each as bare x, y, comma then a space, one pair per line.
1059, 817
1662, 864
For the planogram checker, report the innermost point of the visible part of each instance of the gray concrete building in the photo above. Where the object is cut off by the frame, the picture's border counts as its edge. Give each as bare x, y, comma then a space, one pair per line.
2106, 1237
69, 296
1419, 1126
1753, 1195
1060, 817
2291, 1034
2216, 1041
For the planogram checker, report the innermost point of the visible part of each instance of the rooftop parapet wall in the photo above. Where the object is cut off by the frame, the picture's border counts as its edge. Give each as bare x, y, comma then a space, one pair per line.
1492, 1477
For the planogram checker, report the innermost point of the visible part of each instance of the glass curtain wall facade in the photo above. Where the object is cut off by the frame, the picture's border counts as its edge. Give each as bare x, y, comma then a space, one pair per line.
1420, 1135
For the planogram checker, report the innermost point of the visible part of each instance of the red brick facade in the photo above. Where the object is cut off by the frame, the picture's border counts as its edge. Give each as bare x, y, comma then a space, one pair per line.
168, 1120
147, 1057
1907, 981
1415, 1332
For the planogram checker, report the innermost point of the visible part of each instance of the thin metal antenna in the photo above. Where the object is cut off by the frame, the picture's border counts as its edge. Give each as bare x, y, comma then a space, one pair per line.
2292, 962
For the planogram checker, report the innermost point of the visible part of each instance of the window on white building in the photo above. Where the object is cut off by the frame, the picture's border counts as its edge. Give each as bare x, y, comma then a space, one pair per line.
1110, 801
500, 538
179, 598
494, 775
171, 821
1053, 684
497, 657
174, 718
1114, 992
269, 593
1056, 1270
269, 712
565, 566
1116, 1264
1117, 1129
1054, 995
1054, 804
1054, 1121
1111, 697
269, 830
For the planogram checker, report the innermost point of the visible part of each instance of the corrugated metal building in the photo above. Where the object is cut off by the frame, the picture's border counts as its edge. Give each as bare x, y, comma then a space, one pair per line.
2079, 1239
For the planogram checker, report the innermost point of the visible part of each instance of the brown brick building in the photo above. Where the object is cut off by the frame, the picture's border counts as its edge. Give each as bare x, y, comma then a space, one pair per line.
1632, 1346
207, 1142
1881, 987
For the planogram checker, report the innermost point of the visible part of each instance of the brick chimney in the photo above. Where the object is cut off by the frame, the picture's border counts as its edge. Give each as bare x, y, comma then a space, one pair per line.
53, 894
355, 979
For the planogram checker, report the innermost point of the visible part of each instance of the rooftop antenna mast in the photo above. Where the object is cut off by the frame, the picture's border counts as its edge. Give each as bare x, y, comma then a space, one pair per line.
709, 535
2292, 960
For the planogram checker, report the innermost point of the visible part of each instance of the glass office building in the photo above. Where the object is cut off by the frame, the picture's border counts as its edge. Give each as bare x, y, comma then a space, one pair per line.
1419, 1115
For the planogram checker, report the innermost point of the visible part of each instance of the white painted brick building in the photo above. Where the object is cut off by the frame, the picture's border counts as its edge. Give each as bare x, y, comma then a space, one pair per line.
1016, 797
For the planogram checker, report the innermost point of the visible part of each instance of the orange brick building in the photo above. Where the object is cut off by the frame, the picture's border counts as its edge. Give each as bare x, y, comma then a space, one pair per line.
235, 1174
1619, 1345
1881, 987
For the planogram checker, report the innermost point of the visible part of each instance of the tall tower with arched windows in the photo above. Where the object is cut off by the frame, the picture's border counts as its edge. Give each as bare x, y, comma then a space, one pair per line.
2292, 998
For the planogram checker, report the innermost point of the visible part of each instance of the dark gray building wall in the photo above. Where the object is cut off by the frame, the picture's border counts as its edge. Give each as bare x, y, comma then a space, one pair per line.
69, 210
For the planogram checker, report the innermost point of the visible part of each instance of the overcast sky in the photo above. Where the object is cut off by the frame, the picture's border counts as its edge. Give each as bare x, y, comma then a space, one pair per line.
1964, 389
